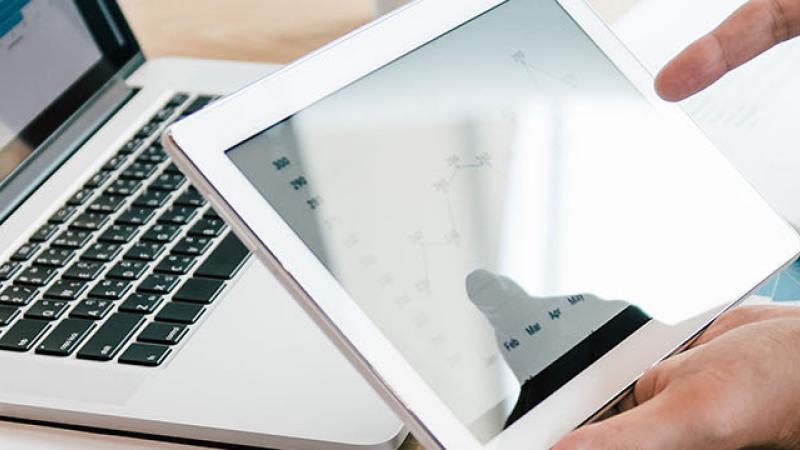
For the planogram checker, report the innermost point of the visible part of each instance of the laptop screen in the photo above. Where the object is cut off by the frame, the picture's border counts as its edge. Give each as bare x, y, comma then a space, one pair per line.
28, 56
54, 55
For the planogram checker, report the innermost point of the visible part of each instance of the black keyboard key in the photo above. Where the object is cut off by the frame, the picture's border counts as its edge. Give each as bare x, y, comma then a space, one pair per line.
65, 290
84, 270
145, 251
192, 246
25, 252
18, 295
115, 162
9, 269
119, 234
153, 199
197, 104
162, 232
62, 215
168, 181
172, 168
7, 315
208, 227
47, 310
110, 289
141, 303
111, 337
66, 337
153, 154
211, 213
176, 264
45, 232
149, 355
191, 198
139, 170
124, 187
199, 290
226, 259
91, 221
36, 275
56, 257
80, 197
179, 215
163, 333
92, 309
136, 216
148, 130
131, 146
102, 251
128, 270
73, 238
24, 333
98, 179
177, 100
186, 313
159, 283
107, 204
164, 114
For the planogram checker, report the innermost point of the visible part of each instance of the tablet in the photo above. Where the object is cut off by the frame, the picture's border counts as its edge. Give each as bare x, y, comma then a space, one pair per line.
489, 211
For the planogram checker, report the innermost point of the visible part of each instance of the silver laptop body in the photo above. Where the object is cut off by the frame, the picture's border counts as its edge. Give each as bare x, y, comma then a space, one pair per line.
125, 305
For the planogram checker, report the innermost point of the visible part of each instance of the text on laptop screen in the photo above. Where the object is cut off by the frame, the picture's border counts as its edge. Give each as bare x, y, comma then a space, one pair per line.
488, 200
45, 46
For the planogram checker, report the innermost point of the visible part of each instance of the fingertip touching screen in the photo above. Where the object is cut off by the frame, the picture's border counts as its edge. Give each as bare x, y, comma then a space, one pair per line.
500, 202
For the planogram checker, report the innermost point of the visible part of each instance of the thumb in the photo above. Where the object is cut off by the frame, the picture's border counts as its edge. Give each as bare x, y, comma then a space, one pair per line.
672, 419
493, 293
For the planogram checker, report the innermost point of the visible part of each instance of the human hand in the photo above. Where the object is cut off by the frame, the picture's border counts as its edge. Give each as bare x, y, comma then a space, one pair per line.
753, 29
737, 387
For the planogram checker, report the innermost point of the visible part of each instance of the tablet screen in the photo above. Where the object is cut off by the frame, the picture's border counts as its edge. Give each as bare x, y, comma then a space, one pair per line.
461, 195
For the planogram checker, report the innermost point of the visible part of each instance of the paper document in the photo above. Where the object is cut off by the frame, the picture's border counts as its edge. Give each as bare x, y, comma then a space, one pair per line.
751, 114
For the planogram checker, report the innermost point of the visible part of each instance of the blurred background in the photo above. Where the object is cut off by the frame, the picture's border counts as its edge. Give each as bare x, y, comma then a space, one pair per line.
274, 31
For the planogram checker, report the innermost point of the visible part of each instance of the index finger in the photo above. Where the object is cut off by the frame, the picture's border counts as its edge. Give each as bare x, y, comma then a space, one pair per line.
753, 29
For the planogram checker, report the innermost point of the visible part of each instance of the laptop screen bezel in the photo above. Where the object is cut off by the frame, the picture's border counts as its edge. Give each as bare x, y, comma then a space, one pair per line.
77, 112
117, 45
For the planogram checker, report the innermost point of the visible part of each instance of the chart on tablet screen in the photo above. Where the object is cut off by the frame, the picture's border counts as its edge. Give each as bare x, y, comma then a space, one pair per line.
478, 198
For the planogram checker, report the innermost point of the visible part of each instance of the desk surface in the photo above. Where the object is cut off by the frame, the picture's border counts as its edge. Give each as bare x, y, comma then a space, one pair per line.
275, 31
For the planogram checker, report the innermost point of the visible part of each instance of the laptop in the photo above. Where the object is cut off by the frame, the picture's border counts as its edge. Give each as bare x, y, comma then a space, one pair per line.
125, 301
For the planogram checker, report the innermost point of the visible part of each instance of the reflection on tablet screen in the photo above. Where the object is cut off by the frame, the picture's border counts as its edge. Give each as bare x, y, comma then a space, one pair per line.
447, 193
574, 327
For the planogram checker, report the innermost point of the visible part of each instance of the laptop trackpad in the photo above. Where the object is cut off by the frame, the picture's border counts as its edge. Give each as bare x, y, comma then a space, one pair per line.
75, 381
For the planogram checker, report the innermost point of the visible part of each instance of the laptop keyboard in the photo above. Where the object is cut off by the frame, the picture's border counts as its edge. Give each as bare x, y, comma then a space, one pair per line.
127, 266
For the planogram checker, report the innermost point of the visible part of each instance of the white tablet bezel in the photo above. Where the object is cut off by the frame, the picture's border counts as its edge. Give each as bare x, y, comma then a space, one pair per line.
198, 145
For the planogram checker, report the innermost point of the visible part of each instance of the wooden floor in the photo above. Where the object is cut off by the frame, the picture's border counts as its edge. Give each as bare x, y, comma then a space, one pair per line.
276, 31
